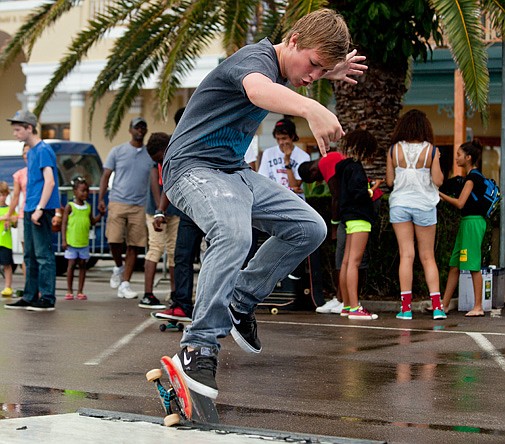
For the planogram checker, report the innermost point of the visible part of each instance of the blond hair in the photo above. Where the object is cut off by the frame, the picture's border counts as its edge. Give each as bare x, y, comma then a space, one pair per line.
325, 31
4, 187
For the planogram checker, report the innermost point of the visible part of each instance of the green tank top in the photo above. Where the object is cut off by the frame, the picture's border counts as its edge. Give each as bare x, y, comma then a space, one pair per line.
78, 225
5, 234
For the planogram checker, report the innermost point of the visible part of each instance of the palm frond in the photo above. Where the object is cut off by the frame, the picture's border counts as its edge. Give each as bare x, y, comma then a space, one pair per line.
496, 11
147, 30
199, 23
29, 32
461, 21
270, 22
237, 18
82, 43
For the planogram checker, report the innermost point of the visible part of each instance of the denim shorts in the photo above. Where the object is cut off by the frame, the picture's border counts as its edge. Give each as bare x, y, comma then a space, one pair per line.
421, 218
77, 253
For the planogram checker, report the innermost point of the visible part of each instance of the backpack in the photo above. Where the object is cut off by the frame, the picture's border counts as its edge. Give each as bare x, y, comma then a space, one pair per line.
490, 200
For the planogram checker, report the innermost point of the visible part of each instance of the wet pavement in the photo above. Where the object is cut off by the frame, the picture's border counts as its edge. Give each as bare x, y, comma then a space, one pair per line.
421, 381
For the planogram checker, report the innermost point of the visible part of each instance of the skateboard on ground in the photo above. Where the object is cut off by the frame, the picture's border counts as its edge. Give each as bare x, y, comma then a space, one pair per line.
181, 403
169, 324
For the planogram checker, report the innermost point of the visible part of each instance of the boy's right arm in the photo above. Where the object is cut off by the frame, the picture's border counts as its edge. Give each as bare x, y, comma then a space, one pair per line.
277, 98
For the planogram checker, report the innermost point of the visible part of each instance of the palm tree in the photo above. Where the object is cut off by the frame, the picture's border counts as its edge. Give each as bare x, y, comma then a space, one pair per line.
166, 37
391, 37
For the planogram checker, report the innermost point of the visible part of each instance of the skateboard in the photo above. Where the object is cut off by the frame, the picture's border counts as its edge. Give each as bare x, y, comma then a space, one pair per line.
181, 403
169, 324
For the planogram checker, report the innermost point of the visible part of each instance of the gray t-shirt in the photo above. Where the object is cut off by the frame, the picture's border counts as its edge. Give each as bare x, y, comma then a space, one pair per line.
132, 167
220, 121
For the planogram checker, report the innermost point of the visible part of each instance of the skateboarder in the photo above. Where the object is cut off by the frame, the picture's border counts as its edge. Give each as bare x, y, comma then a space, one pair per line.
206, 177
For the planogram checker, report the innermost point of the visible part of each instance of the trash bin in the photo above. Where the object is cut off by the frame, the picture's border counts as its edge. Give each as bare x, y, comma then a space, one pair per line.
498, 300
466, 297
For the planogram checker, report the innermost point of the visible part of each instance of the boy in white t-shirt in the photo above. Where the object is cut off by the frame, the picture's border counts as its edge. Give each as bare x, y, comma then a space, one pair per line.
280, 163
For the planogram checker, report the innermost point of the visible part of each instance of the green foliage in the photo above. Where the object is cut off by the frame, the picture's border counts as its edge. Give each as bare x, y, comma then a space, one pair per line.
390, 32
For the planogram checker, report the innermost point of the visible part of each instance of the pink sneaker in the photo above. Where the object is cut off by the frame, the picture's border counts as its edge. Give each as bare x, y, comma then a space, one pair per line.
344, 312
362, 313
69, 297
82, 297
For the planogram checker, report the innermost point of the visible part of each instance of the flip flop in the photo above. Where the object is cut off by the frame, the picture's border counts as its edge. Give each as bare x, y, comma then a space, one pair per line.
478, 315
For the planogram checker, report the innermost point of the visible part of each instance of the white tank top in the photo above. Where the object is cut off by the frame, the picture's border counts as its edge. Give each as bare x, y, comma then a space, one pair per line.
413, 187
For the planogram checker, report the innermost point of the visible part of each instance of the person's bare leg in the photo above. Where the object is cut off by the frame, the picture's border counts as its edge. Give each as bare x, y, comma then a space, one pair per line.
129, 263
450, 286
357, 244
477, 309
426, 247
404, 232
149, 273
116, 250
82, 275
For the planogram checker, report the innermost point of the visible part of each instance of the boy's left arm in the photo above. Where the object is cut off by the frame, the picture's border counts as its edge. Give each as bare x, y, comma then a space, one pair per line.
47, 189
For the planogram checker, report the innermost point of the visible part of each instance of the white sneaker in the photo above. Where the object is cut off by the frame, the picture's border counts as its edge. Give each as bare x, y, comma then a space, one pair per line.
125, 291
330, 306
117, 277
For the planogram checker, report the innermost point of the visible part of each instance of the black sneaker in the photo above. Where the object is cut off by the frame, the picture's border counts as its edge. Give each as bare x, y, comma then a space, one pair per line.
199, 368
19, 305
41, 305
152, 302
245, 331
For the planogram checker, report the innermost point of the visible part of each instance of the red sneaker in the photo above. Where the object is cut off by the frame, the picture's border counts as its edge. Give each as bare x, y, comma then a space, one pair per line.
173, 313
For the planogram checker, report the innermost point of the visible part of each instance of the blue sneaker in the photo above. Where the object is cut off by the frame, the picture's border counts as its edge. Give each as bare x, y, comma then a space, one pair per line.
406, 315
439, 313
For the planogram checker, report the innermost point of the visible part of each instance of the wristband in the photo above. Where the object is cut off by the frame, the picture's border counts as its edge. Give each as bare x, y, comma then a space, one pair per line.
288, 167
158, 214
40, 208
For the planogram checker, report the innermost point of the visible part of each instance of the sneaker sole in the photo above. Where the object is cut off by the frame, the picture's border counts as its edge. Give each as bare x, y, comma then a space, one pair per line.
364, 318
40, 309
439, 317
122, 296
170, 317
404, 319
153, 307
242, 343
196, 386
10, 307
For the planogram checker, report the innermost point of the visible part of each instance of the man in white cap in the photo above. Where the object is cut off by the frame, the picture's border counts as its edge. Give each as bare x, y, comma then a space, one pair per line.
42, 199
126, 220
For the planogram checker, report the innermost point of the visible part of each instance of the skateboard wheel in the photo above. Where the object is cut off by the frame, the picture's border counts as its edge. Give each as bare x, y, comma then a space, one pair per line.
171, 420
153, 375
306, 292
163, 327
180, 326
274, 310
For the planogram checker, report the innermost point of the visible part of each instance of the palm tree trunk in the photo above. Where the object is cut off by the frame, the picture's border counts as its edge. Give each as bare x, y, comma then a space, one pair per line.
375, 104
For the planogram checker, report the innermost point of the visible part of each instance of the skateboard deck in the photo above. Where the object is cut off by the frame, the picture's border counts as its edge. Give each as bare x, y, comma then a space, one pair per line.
181, 403
169, 324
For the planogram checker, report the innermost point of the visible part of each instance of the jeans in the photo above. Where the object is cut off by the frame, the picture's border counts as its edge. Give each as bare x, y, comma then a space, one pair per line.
39, 258
189, 238
224, 206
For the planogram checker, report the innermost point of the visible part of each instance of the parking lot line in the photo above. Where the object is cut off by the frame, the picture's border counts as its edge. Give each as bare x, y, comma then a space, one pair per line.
484, 343
372, 327
121, 343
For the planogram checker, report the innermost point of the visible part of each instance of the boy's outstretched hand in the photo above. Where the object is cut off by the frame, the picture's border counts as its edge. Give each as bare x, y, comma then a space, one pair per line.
352, 66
